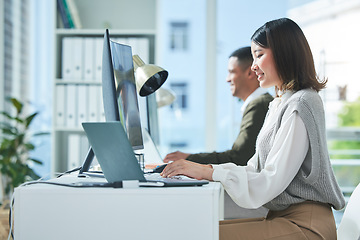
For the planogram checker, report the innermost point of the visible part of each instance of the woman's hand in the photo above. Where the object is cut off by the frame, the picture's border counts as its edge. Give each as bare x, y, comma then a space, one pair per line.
190, 169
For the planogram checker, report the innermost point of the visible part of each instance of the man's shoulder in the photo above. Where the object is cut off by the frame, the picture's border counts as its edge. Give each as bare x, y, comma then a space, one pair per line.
265, 98
259, 104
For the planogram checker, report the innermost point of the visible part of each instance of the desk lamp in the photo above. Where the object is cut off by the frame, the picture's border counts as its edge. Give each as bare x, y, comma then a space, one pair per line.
164, 97
148, 77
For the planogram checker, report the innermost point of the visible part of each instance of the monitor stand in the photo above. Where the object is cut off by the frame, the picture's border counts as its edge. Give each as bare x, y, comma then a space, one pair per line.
90, 157
87, 163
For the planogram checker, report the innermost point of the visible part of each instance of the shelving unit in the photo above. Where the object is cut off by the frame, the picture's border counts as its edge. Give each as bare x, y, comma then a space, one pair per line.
125, 20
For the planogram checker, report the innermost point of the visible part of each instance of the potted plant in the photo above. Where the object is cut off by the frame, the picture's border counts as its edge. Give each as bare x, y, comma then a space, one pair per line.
15, 146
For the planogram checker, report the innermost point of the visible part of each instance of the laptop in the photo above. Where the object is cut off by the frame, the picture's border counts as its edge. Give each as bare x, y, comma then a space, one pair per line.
117, 158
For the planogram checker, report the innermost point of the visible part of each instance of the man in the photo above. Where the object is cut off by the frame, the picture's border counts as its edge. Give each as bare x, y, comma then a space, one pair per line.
245, 86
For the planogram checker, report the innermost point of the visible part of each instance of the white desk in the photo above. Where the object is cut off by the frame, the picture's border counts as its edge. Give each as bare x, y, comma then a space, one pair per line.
54, 212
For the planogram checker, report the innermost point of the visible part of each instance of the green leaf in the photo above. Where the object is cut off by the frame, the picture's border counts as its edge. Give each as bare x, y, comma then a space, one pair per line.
33, 175
19, 120
17, 104
30, 118
15, 147
350, 114
10, 131
29, 146
36, 161
7, 115
5, 125
40, 134
21, 136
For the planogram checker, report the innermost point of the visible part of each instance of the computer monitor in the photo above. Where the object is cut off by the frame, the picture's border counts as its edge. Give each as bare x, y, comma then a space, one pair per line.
119, 93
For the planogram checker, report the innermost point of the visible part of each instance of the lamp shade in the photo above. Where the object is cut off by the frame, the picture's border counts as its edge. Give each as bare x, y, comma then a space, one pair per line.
148, 77
164, 97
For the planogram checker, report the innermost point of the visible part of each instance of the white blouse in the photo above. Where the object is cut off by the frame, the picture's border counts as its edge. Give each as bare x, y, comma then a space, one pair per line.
252, 189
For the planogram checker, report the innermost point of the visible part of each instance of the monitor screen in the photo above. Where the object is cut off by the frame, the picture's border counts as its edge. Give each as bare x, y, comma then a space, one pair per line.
127, 105
119, 93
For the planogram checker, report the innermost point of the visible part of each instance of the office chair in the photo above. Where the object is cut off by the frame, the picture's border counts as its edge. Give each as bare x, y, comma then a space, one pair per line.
349, 228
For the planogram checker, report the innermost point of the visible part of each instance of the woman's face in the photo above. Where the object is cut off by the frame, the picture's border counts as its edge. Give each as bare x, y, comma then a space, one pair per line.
264, 67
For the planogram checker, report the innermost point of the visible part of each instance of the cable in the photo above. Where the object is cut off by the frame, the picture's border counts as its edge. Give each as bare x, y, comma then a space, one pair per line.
74, 185
11, 234
79, 184
69, 171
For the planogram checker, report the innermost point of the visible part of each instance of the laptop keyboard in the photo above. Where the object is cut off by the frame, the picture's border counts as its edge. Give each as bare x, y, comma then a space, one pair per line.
157, 177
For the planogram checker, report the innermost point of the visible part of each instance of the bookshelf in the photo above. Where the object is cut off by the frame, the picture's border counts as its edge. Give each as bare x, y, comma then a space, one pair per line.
78, 55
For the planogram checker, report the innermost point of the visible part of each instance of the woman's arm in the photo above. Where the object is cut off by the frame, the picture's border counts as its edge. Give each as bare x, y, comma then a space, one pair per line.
246, 186
250, 188
190, 169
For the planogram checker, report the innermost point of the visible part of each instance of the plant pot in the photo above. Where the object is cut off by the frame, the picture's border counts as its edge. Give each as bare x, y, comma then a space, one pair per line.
4, 220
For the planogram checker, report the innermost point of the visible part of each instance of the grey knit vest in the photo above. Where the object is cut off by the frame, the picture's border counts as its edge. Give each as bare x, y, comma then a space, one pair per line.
315, 180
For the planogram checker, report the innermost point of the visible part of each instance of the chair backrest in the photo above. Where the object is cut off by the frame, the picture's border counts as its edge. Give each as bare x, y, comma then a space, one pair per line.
349, 228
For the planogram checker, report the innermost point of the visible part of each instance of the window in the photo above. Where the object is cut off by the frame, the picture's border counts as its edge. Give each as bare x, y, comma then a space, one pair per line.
181, 91
178, 145
179, 36
16, 35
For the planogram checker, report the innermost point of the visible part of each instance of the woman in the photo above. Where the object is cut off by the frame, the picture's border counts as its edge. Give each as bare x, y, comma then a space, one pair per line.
290, 173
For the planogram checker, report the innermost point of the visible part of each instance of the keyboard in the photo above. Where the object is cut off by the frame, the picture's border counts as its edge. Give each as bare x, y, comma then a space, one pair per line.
157, 176
174, 181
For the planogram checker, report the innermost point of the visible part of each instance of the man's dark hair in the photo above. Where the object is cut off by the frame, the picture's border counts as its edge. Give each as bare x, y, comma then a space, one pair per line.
244, 57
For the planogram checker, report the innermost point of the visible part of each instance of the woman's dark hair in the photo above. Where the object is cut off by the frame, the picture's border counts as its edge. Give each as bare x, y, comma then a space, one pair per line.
292, 55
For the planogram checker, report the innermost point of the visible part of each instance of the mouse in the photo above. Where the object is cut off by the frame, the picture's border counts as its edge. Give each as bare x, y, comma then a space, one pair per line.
159, 168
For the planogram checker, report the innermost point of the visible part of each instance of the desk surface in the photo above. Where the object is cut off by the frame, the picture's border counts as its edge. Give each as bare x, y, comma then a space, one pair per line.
53, 212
